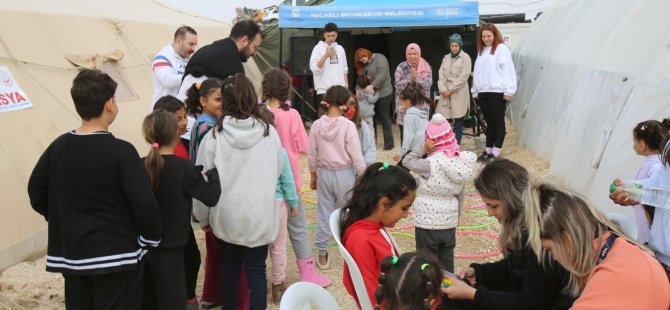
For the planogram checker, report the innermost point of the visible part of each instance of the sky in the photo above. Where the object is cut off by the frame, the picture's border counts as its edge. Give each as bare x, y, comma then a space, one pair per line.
223, 10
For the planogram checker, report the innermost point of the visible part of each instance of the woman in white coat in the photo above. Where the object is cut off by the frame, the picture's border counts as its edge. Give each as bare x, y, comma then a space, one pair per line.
454, 95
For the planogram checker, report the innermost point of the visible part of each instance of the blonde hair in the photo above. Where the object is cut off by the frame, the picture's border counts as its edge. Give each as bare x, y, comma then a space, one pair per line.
506, 180
556, 213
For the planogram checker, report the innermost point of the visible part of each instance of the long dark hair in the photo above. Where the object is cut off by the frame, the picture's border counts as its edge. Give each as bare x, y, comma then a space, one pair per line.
197, 90
414, 93
239, 101
376, 182
276, 84
652, 132
410, 283
159, 129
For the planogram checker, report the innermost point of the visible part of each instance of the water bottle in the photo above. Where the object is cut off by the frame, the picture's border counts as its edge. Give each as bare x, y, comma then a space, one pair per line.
652, 196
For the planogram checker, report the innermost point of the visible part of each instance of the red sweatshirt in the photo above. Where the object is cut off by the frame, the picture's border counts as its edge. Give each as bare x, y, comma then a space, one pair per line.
180, 151
368, 246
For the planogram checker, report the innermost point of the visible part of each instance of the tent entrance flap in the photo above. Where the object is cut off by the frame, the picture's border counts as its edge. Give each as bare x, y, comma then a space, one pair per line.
448, 13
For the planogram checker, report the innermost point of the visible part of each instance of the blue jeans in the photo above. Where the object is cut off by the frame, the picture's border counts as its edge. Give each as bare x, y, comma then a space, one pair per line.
458, 129
232, 257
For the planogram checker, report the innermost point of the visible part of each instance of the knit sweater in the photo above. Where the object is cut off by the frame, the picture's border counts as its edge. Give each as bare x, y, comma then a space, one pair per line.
365, 242
334, 144
95, 193
380, 74
436, 203
293, 138
249, 164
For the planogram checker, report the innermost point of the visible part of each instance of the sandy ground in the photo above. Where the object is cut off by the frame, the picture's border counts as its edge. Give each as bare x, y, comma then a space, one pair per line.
28, 286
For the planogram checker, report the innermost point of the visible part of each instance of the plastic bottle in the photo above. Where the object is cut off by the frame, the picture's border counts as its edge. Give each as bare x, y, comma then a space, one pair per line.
651, 196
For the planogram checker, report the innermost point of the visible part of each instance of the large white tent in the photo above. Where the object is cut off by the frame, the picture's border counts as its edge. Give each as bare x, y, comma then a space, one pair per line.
43, 43
589, 71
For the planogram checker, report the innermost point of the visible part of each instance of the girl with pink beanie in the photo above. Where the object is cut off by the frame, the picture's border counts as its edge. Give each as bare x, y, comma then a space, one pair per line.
439, 197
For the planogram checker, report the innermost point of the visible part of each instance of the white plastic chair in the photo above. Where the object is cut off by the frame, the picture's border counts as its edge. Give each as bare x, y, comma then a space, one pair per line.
626, 224
301, 295
356, 276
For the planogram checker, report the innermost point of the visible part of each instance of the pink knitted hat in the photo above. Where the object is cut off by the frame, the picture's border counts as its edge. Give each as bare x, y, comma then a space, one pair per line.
440, 132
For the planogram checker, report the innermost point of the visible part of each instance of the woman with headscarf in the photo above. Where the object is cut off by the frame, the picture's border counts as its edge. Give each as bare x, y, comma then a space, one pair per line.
454, 95
415, 69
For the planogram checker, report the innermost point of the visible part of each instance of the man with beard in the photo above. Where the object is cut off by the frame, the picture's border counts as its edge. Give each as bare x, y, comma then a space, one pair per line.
169, 64
224, 57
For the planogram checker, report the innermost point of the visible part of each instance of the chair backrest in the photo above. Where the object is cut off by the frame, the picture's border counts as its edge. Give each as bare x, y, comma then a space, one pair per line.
301, 295
626, 224
356, 276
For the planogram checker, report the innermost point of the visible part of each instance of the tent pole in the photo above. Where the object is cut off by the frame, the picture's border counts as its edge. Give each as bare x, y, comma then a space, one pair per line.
281, 60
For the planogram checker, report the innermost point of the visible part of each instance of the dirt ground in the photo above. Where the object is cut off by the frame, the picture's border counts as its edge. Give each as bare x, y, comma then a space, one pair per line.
28, 286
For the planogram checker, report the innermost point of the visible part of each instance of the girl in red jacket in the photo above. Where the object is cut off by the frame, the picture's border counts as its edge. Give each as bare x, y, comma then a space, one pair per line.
379, 199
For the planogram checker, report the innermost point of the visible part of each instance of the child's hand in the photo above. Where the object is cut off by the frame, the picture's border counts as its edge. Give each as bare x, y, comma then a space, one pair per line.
312, 182
622, 197
369, 88
459, 290
396, 157
206, 228
429, 146
212, 175
468, 274
294, 212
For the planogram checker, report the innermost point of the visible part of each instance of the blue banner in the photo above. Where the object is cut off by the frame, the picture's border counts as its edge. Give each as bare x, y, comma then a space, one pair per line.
419, 15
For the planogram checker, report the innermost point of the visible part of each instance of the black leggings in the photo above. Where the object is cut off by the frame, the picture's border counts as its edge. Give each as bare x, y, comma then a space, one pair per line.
493, 107
191, 264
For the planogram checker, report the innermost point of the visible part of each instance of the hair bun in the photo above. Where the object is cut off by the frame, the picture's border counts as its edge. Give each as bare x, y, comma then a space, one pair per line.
438, 119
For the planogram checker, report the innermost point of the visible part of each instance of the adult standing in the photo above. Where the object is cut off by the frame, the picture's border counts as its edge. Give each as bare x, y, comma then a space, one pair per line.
224, 57
328, 63
376, 67
169, 64
414, 69
220, 59
454, 73
494, 83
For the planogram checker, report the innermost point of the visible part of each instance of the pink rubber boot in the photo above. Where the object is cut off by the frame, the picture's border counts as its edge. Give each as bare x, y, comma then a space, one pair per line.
309, 274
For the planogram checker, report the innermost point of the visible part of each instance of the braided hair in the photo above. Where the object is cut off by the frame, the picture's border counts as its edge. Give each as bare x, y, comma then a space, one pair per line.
409, 282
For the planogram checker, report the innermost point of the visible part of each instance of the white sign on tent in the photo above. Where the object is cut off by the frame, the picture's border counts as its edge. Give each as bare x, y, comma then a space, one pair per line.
12, 97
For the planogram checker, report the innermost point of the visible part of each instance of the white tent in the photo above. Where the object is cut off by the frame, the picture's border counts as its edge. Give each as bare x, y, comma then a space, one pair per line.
40, 42
589, 71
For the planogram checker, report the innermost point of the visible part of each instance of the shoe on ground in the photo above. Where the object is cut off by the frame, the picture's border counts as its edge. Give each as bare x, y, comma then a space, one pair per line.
324, 266
277, 292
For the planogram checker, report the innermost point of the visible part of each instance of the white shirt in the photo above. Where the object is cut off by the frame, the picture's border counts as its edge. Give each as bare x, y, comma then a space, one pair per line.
333, 70
168, 68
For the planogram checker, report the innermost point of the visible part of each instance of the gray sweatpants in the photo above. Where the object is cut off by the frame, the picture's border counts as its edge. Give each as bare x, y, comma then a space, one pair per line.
332, 188
297, 232
440, 242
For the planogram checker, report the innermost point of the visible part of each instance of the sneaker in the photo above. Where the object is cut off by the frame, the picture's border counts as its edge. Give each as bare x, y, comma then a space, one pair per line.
482, 157
324, 266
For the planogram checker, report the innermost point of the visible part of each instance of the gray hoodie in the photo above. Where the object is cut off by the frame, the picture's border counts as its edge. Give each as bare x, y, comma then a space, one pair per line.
249, 166
415, 123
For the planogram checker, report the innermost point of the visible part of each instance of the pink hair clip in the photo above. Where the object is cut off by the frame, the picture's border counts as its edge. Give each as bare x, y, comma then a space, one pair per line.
154, 145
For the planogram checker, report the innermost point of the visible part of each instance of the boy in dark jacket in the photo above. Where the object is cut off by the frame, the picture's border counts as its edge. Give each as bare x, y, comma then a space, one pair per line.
93, 190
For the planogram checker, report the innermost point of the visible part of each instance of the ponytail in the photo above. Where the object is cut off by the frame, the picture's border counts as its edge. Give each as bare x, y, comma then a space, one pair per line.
196, 91
160, 129
410, 281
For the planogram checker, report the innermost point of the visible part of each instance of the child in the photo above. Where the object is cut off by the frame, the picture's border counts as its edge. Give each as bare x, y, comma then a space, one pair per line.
203, 102
175, 182
381, 197
245, 219
437, 207
191, 252
410, 281
172, 105
647, 138
276, 89
334, 149
82, 175
415, 119
365, 134
367, 97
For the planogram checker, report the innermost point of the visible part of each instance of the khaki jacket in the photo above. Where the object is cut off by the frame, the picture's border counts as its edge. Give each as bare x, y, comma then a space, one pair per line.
454, 74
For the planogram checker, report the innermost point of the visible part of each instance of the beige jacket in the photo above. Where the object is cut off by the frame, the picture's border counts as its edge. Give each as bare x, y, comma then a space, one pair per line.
454, 74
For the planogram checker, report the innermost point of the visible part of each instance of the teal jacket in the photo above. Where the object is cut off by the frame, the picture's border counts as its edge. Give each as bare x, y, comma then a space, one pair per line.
285, 185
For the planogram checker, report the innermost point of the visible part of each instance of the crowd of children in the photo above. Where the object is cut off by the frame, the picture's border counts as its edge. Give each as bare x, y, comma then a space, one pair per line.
239, 178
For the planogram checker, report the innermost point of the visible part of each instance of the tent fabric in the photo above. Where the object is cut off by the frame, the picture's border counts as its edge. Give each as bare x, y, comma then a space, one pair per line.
38, 56
583, 88
390, 13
